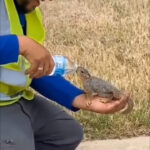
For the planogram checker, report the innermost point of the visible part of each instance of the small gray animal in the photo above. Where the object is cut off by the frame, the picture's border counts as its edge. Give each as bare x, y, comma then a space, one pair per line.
94, 86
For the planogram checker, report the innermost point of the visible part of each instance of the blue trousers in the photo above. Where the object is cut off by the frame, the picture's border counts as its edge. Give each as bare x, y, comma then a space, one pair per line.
38, 125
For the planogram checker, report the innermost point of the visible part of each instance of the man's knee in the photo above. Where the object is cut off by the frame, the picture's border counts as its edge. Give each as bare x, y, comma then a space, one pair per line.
73, 137
75, 134
69, 136
78, 132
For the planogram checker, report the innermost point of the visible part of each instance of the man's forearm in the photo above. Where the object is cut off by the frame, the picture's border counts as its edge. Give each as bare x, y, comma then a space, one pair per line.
57, 89
81, 102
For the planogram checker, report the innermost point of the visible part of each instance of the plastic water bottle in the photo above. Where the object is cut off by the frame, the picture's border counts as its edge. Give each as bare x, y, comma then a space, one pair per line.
63, 66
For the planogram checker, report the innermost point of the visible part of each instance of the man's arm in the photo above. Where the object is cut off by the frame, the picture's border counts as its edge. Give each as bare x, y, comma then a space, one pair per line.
57, 89
12, 45
63, 92
9, 49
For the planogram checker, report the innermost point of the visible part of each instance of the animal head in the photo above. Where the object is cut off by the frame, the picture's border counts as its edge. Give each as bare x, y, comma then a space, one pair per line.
83, 73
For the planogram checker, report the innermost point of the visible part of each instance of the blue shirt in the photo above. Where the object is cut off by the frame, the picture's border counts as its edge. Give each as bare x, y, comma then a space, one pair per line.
55, 88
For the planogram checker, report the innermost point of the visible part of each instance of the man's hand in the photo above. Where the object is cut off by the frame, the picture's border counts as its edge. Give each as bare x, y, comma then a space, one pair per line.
99, 107
41, 61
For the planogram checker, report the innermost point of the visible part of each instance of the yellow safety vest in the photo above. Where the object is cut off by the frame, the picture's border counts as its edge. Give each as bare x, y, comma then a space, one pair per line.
14, 84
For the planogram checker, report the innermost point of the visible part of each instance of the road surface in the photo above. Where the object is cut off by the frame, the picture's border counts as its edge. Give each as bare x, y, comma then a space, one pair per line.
138, 143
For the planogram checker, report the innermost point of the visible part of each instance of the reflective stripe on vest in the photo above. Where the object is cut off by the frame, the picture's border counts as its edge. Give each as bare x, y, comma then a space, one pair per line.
13, 81
17, 78
4, 20
5, 97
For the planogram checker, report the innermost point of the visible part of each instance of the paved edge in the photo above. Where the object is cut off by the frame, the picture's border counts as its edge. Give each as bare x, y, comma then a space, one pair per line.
136, 143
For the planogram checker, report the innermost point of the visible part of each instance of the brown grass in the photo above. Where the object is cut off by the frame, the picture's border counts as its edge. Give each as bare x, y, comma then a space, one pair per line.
111, 39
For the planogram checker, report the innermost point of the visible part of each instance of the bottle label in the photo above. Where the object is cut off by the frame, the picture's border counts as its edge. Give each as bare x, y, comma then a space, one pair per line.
60, 65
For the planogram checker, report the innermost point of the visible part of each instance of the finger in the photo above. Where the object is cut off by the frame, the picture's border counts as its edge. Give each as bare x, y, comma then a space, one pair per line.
48, 67
32, 68
115, 106
47, 70
51, 68
39, 71
42, 73
120, 104
125, 98
38, 74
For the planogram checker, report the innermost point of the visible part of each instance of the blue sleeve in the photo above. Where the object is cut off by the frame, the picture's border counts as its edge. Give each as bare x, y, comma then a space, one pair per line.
9, 49
57, 89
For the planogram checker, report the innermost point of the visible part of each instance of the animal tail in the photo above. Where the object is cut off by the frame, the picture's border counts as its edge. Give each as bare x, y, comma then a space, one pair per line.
129, 107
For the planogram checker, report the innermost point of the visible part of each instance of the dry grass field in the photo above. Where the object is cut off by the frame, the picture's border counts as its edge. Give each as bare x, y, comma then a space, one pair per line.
111, 39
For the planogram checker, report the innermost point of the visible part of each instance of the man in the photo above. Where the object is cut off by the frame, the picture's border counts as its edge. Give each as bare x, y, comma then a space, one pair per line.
28, 121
